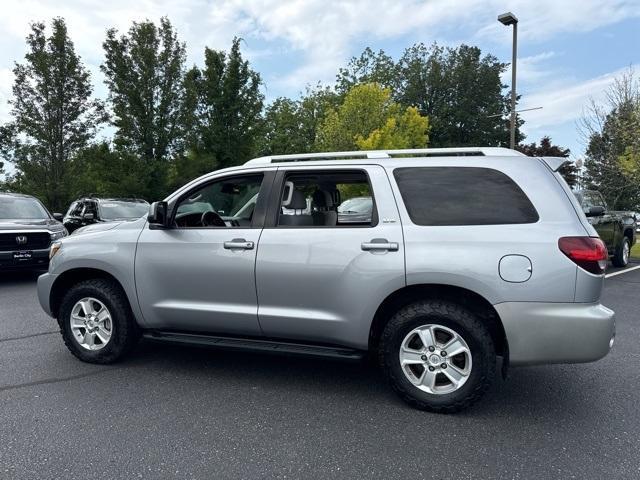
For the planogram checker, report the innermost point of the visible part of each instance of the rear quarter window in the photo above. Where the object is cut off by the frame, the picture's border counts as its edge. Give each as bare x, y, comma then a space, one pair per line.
445, 196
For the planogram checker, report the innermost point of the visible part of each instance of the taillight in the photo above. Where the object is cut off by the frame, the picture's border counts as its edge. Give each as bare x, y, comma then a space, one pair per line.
589, 253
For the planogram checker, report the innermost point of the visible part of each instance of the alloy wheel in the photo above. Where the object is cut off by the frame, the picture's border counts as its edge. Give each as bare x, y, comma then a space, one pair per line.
91, 323
435, 359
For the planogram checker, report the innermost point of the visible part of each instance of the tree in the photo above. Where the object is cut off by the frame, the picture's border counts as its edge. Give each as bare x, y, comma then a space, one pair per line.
226, 123
368, 117
405, 130
314, 106
460, 91
569, 171
283, 129
53, 114
291, 126
369, 67
105, 171
144, 71
612, 131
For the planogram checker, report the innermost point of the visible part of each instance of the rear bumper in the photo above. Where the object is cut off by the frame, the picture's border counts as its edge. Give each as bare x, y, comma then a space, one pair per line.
540, 333
45, 282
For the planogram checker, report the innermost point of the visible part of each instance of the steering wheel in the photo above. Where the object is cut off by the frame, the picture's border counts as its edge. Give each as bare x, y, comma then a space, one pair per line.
211, 219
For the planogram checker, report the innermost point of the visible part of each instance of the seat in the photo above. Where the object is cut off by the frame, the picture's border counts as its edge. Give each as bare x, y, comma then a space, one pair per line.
298, 203
324, 208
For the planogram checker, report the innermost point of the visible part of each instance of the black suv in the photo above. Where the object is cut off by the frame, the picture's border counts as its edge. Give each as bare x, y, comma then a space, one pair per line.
26, 232
617, 229
88, 210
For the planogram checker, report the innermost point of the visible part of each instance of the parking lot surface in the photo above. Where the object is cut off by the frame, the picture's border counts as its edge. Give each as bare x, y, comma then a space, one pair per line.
185, 412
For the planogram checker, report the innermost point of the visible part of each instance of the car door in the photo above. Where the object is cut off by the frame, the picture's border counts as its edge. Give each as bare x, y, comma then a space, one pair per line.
319, 280
199, 275
605, 224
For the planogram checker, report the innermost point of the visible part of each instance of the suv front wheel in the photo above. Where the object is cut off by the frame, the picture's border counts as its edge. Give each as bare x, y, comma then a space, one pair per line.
96, 321
437, 356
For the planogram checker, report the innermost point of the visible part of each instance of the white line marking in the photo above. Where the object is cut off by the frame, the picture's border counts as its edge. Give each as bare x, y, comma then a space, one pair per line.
621, 271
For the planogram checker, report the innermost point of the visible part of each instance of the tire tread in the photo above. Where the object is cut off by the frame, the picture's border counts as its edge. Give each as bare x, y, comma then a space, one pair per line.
127, 331
403, 319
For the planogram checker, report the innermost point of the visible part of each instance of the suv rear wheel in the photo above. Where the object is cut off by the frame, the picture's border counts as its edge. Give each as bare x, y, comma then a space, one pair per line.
96, 322
437, 356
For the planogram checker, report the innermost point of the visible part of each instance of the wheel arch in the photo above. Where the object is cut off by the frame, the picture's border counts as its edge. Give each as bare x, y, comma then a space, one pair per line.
72, 276
472, 300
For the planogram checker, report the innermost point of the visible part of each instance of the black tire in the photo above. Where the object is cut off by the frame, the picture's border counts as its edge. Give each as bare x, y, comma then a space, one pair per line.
125, 332
466, 325
618, 259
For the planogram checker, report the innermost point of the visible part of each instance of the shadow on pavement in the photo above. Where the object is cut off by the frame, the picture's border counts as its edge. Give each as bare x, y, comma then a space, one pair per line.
533, 393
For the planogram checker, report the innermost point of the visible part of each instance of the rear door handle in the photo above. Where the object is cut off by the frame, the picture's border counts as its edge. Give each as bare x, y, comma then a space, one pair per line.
238, 244
380, 244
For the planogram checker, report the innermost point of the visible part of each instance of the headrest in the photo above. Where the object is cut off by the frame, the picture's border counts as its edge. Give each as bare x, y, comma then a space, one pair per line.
322, 199
298, 201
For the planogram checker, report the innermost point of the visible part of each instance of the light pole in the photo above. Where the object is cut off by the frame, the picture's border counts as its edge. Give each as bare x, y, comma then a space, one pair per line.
510, 19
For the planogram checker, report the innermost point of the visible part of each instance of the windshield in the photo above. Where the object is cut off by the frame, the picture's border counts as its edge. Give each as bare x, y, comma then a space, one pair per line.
356, 205
21, 208
118, 209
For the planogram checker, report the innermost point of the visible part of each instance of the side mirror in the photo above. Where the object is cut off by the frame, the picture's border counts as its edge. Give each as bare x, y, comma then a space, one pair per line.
58, 216
158, 217
88, 216
595, 211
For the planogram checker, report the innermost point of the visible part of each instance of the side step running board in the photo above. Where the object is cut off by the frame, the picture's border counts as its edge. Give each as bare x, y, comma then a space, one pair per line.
267, 346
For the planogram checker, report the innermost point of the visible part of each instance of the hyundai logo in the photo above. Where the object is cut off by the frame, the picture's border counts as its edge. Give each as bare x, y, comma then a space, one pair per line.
21, 239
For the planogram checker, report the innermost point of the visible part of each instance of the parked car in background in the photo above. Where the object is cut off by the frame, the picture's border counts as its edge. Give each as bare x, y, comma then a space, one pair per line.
89, 210
26, 232
469, 254
355, 210
616, 228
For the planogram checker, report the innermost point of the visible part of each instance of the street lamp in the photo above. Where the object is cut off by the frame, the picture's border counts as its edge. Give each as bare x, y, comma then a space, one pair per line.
510, 19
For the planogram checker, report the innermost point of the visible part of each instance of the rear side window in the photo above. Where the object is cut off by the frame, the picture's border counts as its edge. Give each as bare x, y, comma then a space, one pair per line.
441, 196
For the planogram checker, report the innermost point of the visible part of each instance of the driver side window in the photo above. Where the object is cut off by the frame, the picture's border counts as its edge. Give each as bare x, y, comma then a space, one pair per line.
225, 203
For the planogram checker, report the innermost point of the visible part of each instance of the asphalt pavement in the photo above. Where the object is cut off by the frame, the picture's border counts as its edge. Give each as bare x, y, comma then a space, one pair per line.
186, 412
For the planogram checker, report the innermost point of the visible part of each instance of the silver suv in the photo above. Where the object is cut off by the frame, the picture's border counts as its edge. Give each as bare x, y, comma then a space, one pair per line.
467, 254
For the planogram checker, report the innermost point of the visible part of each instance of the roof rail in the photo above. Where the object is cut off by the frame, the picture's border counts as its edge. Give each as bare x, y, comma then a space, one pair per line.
376, 154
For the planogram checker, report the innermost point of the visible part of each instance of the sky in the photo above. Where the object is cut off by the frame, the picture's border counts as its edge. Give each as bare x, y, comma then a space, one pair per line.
569, 51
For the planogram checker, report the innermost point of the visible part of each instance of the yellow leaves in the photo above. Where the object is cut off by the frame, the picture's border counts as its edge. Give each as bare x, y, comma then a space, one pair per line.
368, 119
408, 130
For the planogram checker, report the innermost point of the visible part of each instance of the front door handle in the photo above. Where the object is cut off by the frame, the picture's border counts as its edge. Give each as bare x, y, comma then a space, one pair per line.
380, 244
238, 244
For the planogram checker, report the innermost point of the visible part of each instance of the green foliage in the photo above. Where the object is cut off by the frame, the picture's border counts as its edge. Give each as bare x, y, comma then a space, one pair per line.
226, 121
613, 152
368, 117
53, 115
370, 67
189, 166
144, 71
458, 89
104, 171
291, 126
283, 129
545, 148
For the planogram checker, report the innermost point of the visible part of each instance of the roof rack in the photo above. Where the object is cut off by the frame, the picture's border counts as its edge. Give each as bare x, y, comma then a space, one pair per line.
377, 154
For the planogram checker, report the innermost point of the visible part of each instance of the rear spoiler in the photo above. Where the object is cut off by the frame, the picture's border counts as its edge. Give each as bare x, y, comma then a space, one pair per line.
554, 163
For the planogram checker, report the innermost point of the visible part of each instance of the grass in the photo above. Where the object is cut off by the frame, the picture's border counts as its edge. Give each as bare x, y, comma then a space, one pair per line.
635, 251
